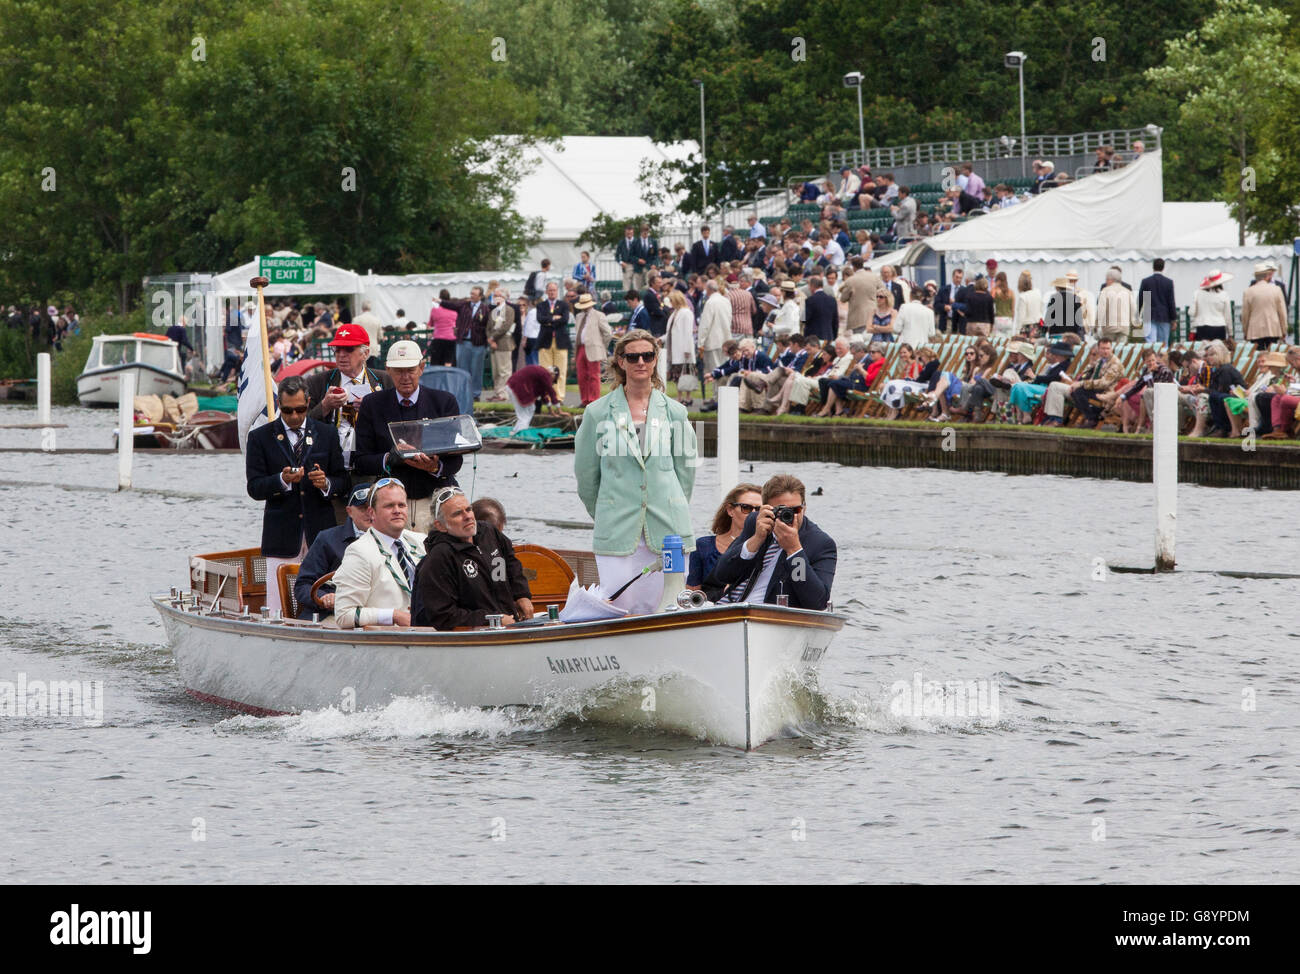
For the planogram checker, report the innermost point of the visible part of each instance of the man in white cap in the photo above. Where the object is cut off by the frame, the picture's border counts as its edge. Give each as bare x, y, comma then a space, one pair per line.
336, 393
421, 475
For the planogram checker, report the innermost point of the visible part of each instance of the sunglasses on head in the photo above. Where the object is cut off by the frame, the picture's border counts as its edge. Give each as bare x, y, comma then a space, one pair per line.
381, 483
639, 356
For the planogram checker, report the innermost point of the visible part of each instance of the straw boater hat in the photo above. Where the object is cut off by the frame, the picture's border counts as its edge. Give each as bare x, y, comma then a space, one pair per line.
584, 302
1071, 275
1273, 360
1062, 282
1262, 268
788, 287
1216, 278
1022, 348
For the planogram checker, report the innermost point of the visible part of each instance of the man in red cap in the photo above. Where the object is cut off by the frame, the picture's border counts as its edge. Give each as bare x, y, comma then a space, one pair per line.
337, 392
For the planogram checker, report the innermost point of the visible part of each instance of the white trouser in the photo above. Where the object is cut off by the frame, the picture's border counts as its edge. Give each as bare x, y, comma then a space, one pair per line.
272, 577
1054, 399
643, 595
523, 414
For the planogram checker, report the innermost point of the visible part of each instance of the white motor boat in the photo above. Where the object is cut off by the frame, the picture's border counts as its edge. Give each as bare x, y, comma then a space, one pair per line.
153, 359
732, 674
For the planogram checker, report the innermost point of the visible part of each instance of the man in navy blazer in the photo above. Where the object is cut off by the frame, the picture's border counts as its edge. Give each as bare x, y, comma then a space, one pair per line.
296, 466
1156, 305
421, 475
326, 554
703, 252
821, 311
773, 557
730, 249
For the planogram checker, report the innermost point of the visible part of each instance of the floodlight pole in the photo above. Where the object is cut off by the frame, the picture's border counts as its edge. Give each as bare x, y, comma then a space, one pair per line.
1024, 168
704, 168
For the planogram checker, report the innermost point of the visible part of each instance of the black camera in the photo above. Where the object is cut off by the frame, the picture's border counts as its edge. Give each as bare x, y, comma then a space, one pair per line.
785, 514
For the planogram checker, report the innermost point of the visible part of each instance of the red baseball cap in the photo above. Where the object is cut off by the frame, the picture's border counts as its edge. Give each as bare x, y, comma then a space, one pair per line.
351, 336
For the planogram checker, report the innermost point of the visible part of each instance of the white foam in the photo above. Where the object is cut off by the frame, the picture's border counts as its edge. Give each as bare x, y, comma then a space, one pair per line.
404, 717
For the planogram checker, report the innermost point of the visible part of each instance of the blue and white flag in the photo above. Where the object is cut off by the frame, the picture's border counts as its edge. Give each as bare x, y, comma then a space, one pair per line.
252, 382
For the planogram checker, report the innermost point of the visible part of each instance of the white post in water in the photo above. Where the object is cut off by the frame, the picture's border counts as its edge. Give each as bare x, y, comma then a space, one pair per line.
728, 439
1164, 471
125, 430
43, 388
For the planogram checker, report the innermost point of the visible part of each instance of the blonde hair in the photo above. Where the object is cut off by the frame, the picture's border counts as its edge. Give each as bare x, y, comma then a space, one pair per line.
677, 299
614, 371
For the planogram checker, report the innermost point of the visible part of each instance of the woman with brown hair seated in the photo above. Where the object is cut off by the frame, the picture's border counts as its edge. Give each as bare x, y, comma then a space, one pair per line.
729, 520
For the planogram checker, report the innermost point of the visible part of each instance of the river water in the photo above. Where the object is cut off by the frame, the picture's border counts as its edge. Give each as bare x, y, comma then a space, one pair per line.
1144, 728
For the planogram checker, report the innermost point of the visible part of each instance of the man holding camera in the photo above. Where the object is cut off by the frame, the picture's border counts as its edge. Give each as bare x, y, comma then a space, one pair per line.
781, 557
295, 465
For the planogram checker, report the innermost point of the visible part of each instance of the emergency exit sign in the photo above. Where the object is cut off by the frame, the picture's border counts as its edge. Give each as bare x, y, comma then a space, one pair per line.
288, 270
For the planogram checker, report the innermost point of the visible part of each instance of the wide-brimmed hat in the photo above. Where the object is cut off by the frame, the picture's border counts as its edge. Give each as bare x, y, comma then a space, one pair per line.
1274, 360
1023, 348
584, 302
1064, 349
1216, 278
350, 336
1071, 275
771, 299
1062, 282
403, 355
788, 287
1263, 268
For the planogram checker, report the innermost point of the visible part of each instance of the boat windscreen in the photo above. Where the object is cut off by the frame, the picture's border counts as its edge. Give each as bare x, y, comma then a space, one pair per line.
162, 356
118, 353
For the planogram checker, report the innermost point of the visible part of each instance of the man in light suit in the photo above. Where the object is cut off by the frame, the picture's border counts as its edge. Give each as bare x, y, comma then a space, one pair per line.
703, 252
860, 289
373, 584
500, 333
296, 466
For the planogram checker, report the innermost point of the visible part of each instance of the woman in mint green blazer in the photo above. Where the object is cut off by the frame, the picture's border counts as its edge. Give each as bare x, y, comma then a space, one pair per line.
635, 458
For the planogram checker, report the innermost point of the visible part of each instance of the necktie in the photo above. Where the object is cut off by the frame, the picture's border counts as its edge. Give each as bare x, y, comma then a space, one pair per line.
408, 566
769, 558
300, 441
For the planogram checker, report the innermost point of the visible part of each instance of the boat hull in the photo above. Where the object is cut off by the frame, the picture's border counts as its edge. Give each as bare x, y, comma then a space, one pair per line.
101, 387
731, 675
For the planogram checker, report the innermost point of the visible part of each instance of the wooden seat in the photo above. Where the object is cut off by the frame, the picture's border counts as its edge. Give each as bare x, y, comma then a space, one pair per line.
218, 584
285, 576
252, 580
549, 575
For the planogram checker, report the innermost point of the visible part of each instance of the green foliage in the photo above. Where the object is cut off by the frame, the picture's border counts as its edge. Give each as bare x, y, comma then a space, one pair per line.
16, 355
127, 149
606, 230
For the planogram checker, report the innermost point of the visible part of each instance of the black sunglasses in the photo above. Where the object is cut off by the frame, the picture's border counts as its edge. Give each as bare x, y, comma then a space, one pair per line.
746, 508
639, 356
293, 410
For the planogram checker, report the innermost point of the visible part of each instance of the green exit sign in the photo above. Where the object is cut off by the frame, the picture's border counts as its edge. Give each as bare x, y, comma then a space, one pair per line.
288, 270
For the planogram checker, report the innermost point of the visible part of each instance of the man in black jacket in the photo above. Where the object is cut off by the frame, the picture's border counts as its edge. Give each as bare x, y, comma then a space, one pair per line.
471, 335
469, 571
776, 557
421, 475
1156, 305
823, 314
703, 252
553, 337
295, 465
658, 318
730, 248
949, 307
326, 554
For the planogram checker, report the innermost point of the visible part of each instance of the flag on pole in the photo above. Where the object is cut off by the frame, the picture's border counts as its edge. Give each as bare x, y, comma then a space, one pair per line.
252, 380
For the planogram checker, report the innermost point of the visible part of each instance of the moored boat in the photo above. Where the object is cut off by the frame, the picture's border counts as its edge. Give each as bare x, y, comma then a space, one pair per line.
731, 674
152, 359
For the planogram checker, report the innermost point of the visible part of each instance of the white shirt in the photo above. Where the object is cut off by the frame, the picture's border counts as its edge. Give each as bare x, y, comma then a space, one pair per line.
531, 326
834, 252
357, 389
759, 588
291, 436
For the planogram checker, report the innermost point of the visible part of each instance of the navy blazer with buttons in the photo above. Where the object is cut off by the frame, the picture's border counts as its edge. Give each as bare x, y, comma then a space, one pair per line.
1156, 293
303, 510
823, 316
324, 556
553, 324
812, 590
374, 441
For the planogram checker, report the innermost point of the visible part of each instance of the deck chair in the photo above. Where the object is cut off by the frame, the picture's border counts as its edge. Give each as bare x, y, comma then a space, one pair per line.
548, 573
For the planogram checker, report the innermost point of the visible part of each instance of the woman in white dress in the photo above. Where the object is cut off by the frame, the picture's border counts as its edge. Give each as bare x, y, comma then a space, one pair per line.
1029, 305
1210, 308
680, 340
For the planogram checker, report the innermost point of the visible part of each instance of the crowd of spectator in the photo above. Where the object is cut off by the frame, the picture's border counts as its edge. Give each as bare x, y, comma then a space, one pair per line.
43, 326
